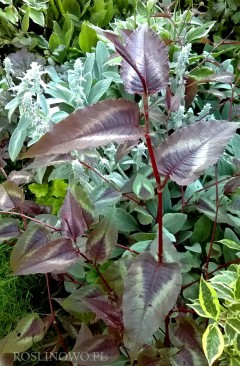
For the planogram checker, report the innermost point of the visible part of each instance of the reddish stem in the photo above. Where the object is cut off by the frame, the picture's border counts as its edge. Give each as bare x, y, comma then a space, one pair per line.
157, 177
53, 315
127, 248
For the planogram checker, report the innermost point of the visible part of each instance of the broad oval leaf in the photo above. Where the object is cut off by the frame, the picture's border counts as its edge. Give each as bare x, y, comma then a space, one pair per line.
151, 290
35, 253
213, 343
150, 57
185, 154
232, 185
11, 196
29, 330
96, 125
9, 228
102, 239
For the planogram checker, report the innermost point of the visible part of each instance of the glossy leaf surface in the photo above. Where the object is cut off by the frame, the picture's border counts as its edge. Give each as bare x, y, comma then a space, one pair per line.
96, 125
185, 154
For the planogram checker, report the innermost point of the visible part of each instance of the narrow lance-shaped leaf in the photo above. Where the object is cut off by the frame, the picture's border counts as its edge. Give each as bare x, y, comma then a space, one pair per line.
96, 125
213, 343
102, 239
35, 253
185, 154
151, 290
209, 300
74, 218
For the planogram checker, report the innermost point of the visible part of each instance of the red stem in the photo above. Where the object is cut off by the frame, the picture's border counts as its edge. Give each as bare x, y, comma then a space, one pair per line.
53, 315
157, 177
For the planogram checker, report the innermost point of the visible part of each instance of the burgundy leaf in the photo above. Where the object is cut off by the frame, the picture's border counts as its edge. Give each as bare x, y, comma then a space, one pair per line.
73, 223
187, 333
33, 208
232, 185
96, 125
151, 290
100, 350
20, 177
102, 239
185, 154
48, 160
189, 357
83, 335
105, 311
35, 253
9, 228
191, 89
151, 60
11, 196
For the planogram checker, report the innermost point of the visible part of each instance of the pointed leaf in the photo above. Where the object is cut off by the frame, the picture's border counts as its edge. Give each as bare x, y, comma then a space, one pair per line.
73, 223
213, 343
186, 332
232, 185
29, 330
96, 125
185, 154
105, 311
191, 89
221, 77
188, 357
100, 350
9, 228
151, 290
142, 187
151, 59
35, 253
102, 239
11, 196
209, 300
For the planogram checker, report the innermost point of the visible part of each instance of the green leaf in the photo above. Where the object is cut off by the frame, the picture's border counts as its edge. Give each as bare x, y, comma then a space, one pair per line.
209, 300
98, 90
126, 222
199, 32
28, 331
202, 230
87, 38
37, 17
201, 73
142, 187
16, 142
59, 188
72, 7
213, 343
173, 222
102, 239
25, 20
40, 190
237, 288
230, 244
151, 290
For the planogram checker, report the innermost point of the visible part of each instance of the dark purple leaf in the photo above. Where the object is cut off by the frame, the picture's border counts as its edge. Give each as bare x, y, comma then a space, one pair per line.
11, 196
35, 253
185, 154
191, 89
124, 149
32, 208
75, 218
100, 350
48, 160
9, 228
20, 177
189, 357
150, 57
149, 356
102, 239
96, 125
105, 311
232, 185
151, 290
21, 61
104, 197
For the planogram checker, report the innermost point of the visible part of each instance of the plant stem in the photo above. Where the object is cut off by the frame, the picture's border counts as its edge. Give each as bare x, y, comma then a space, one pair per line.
215, 222
157, 177
53, 315
29, 218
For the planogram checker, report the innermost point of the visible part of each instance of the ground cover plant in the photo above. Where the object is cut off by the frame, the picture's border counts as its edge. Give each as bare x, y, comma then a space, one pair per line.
142, 176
